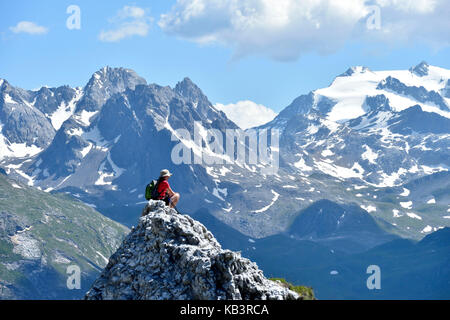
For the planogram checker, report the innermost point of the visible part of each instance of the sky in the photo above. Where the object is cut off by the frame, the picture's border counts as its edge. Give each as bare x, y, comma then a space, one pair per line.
261, 52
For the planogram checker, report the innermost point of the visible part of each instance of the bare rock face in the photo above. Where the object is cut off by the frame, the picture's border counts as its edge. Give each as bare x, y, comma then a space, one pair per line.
172, 256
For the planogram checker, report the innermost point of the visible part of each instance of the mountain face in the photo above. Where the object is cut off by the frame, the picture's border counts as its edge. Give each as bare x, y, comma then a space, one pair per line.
119, 137
372, 132
103, 85
24, 130
361, 162
173, 257
348, 228
41, 235
358, 142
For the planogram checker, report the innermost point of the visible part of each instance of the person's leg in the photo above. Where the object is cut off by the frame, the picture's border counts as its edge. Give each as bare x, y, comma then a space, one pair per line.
167, 201
174, 200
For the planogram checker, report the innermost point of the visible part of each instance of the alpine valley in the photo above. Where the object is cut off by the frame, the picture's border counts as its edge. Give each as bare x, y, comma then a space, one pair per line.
363, 175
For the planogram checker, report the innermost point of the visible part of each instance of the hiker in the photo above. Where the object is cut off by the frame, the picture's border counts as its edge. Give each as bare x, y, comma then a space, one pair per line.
164, 191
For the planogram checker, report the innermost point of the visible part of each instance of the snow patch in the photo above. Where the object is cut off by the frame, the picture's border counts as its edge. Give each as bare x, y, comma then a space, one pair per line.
274, 199
396, 213
413, 215
85, 117
289, 187
75, 132
16, 150
406, 205
427, 229
369, 208
340, 172
7, 98
14, 185
327, 153
369, 155
301, 164
64, 111
405, 192
86, 150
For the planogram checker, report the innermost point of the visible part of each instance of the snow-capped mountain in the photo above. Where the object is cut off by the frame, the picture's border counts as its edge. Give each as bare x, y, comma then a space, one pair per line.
364, 139
24, 129
371, 126
117, 137
370, 132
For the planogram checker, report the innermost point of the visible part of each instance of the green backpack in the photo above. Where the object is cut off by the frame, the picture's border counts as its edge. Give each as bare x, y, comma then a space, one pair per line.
150, 190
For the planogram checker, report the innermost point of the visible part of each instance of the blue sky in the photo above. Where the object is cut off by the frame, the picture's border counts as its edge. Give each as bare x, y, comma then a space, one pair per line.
271, 63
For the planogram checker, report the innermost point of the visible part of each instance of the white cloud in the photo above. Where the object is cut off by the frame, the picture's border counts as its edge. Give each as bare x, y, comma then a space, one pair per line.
247, 114
129, 21
286, 29
409, 21
28, 27
131, 12
417, 6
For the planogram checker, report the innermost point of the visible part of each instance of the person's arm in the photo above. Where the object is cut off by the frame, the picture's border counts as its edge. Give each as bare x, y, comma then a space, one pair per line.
170, 193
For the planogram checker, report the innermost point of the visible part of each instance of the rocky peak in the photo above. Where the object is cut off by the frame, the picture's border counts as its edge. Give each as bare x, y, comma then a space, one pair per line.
446, 90
418, 93
376, 104
301, 105
421, 69
172, 256
6, 87
189, 90
3, 83
116, 74
105, 83
21, 122
353, 70
48, 100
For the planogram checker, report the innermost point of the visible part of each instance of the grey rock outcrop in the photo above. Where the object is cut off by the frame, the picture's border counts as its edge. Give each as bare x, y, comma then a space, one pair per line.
172, 256
20, 122
104, 84
421, 69
420, 94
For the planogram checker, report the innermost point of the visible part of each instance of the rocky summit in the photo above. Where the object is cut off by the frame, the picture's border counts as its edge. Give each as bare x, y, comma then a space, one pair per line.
172, 256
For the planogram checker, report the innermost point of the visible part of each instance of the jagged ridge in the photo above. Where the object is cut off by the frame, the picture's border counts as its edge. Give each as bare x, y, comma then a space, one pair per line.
172, 256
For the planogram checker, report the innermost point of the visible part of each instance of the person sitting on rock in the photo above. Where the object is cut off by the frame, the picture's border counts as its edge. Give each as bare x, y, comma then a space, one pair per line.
166, 193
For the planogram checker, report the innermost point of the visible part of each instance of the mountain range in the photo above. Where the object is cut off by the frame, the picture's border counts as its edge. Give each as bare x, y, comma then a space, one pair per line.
362, 162
360, 140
